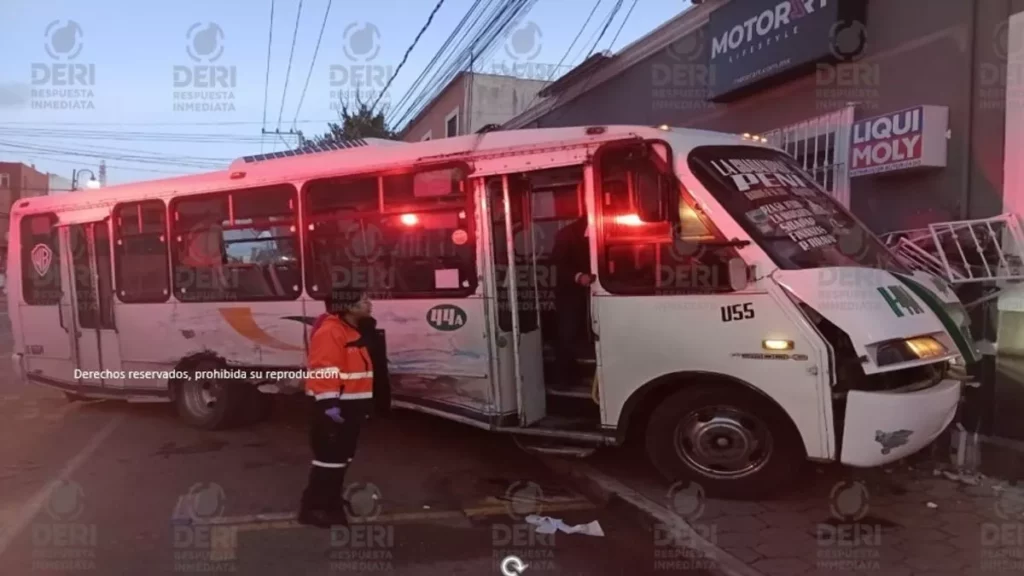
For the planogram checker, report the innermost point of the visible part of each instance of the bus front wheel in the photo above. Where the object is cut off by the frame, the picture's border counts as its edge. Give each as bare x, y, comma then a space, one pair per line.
729, 441
209, 403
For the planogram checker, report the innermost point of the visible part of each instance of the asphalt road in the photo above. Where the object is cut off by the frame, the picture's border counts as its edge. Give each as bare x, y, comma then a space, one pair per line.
112, 488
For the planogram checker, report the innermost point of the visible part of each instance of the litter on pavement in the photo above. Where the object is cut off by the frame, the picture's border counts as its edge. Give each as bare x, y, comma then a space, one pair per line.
549, 525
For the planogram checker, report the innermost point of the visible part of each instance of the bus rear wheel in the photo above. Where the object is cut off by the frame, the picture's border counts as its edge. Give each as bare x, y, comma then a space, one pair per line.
209, 403
728, 440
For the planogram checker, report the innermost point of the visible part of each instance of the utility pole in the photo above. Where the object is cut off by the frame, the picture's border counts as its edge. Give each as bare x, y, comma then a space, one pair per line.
281, 134
103, 173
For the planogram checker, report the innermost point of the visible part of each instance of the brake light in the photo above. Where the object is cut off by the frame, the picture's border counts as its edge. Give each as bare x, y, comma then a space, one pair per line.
629, 220
237, 175
409, 219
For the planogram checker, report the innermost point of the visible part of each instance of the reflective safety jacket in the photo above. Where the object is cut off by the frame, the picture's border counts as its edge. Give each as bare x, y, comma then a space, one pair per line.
339, 363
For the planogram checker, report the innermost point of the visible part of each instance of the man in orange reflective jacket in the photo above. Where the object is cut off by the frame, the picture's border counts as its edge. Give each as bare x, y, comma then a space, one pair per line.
341, 384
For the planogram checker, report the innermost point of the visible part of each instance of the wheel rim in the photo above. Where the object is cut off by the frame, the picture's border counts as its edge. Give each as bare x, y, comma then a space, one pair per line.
723, 441
201, 396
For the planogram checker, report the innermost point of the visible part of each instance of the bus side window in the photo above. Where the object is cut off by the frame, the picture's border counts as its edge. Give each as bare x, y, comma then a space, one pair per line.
427, 223
236, 246
344, 245
652, 231
40, 260
405, 235
140, 252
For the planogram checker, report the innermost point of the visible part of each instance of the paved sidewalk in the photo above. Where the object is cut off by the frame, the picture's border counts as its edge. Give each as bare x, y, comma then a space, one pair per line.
911, 519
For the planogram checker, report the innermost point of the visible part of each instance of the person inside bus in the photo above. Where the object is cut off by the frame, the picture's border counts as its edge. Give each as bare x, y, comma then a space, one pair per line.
341, 384
571, 258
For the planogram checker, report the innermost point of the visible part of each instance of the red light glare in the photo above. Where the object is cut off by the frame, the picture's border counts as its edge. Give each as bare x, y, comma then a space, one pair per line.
629, 220
410, 219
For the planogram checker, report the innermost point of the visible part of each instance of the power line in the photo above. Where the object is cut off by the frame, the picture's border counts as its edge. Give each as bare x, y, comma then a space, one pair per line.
216, 123
288, 73
83, 154
566, 55
437, 55
416, 88
623, 24
495, 27
266, 82
408, 50
591, 74
316, 51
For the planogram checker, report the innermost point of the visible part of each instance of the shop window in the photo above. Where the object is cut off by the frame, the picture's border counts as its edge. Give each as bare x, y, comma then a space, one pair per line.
40, 260
140, 254
404, 235
654, 238
236, 246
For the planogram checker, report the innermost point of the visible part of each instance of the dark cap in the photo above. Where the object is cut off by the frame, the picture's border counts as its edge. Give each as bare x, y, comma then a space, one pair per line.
341, 300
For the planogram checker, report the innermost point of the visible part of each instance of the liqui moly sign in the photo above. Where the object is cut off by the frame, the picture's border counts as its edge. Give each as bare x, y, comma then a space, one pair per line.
912, 138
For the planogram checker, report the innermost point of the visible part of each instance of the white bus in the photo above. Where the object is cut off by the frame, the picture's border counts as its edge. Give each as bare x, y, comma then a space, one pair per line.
739, 319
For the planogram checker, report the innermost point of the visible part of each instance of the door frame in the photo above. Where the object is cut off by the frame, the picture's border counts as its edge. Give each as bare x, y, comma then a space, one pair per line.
98, 344
529, 386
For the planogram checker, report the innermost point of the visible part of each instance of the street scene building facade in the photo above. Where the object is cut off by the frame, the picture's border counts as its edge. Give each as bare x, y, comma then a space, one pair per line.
470, 102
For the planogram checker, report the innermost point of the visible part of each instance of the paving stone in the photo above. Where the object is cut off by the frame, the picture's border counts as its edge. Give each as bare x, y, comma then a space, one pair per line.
923, 535
790, 521
731, 540
727, 524
725, 508
747, 555
785, 545
783, 567
934, 556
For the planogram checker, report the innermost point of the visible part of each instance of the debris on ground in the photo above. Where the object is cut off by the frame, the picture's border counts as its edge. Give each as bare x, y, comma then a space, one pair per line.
549, 525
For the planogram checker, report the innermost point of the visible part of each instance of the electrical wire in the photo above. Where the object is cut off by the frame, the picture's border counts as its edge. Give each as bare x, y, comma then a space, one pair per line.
437, 55
309, 75
451, 63
481, 40
622, 24
288, 73
42, 150
566, 55
431, 80
590, 75
266, 82
408, 50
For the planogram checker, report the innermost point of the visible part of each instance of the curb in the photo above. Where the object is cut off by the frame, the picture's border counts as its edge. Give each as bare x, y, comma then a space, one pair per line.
609, 491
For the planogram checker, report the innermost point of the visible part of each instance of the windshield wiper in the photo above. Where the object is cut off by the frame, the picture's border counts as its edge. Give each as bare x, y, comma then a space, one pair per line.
734, 243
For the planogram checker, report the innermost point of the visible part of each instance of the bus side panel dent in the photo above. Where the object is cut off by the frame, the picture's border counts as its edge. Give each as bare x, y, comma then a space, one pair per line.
870, 437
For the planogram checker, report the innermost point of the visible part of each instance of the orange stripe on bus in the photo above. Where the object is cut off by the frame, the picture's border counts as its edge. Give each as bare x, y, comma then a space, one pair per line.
242, 321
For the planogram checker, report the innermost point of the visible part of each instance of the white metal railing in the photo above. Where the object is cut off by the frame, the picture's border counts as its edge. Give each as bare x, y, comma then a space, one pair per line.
822, 146
964, 251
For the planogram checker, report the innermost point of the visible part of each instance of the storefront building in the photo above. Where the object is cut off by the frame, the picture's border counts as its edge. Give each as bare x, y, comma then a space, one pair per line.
898, 107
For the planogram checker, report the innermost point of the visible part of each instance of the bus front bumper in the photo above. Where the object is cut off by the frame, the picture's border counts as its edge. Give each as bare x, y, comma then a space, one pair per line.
881, 427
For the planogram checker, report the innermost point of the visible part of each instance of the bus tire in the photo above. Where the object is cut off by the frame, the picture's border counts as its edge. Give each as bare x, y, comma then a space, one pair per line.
210, 404
728, 440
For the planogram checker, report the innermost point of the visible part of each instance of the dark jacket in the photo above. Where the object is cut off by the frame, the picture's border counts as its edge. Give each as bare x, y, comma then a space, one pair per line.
571, 256
377, 348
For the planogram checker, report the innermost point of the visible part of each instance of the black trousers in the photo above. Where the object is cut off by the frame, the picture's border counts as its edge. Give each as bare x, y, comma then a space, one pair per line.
572, 314
334, 446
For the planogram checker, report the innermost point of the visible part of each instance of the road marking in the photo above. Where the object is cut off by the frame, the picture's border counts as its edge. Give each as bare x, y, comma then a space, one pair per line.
24, 515
287, 520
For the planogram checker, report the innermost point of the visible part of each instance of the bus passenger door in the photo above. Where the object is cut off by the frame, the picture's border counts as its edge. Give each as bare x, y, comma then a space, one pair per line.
516, 289
44, 300
96, 338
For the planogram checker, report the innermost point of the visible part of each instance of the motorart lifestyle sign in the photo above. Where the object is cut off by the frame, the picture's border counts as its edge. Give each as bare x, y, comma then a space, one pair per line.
752, 41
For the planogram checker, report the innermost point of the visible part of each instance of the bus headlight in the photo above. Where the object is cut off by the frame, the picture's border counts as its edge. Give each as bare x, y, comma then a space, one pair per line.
909, 350
926, 347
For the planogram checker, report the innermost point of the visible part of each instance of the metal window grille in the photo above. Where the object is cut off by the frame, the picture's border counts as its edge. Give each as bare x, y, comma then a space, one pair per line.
822, 146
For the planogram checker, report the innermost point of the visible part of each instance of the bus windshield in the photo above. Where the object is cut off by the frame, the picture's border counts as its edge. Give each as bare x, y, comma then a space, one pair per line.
785, 211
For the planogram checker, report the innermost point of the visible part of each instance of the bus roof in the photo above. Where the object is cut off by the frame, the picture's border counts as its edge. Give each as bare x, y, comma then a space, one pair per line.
352, 157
